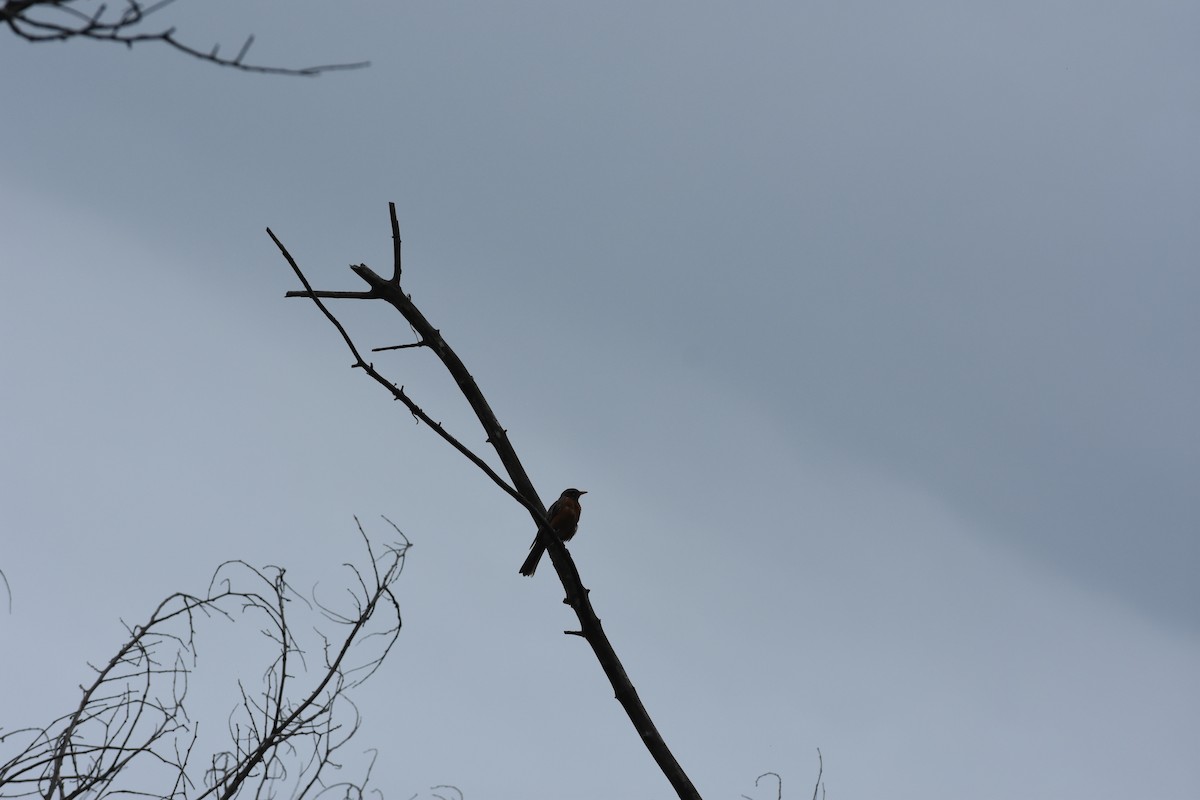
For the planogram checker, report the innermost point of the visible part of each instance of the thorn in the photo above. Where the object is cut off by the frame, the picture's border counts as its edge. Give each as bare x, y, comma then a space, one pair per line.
245, 48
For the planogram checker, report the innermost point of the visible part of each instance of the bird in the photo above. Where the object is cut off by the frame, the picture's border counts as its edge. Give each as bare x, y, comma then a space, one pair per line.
563, 516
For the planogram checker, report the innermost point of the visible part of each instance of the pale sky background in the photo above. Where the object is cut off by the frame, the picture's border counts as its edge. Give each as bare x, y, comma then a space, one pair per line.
869, 327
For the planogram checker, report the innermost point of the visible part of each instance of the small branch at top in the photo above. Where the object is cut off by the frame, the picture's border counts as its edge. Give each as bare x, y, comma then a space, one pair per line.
59, 20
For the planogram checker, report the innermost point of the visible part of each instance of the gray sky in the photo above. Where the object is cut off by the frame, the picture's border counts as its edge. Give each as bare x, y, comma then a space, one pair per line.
869, 327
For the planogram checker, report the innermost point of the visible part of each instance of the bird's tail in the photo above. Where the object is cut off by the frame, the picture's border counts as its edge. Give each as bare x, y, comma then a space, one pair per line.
531, 561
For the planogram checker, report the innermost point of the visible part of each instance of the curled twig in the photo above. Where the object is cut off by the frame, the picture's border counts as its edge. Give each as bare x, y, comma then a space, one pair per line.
284, 732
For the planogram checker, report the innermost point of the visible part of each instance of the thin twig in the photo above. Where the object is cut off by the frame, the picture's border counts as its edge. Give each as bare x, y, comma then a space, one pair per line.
397, 347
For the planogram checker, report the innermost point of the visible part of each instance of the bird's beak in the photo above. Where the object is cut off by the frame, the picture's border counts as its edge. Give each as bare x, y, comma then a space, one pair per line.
582, 492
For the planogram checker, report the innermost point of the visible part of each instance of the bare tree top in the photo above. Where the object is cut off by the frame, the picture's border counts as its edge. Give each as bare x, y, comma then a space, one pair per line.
126, 23
131, 732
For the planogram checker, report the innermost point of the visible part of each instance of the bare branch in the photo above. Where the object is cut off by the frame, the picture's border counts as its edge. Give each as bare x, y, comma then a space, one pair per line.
521, 489
61, 20
134, 710
397, 347
397, 391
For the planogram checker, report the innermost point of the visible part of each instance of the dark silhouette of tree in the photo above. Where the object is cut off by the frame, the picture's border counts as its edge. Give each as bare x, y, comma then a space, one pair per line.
518, 485
126, 22
132, 733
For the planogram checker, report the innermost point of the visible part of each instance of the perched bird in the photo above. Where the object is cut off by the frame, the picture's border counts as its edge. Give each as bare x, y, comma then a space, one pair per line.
563, 516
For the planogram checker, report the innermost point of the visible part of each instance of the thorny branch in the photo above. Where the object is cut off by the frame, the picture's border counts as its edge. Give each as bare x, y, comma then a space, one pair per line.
131, 732
123, 23
519, 486
397, 391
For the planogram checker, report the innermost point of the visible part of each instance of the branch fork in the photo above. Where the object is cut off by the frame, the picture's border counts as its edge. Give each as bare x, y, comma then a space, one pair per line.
518, 486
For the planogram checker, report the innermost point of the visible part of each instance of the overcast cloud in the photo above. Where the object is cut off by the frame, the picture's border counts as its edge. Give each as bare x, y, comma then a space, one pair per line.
869, 327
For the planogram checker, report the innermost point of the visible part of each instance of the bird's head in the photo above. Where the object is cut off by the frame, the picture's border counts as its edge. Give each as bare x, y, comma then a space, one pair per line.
573, 493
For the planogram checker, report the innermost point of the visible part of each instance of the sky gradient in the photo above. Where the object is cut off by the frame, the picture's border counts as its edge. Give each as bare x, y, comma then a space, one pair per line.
869, 328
